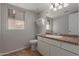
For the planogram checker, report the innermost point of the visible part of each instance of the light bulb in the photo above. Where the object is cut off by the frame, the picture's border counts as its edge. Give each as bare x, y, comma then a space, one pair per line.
13, 11
66, 4
54, 9
51, 7
43, 21
56, 4
60, 7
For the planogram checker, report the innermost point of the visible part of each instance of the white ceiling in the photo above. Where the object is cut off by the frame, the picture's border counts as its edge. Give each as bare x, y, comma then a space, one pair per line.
36, 7
44, 7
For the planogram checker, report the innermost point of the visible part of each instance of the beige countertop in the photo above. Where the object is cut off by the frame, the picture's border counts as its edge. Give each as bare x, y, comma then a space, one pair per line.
68, 39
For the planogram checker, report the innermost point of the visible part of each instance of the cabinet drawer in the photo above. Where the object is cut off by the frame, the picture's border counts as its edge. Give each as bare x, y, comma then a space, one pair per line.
50, 41
56, 51
70, 47
54, 42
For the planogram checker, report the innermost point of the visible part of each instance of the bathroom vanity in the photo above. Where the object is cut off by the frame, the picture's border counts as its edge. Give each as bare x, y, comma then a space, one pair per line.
55, 45
67, 43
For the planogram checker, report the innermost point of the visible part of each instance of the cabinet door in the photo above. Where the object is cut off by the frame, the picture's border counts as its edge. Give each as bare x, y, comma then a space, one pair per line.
73, 23
56, 51
70, 47
43, 48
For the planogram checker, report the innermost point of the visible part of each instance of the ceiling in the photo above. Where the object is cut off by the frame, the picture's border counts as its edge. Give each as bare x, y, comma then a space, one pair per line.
44, 8
36, 7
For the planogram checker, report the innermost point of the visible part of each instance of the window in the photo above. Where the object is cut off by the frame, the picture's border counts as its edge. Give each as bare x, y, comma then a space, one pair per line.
15, 19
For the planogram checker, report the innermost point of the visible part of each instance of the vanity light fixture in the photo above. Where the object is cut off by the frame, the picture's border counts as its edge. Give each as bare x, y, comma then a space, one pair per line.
43, 21
51, 6
14, 12
66, 4
60, 7
54, 9
56, 6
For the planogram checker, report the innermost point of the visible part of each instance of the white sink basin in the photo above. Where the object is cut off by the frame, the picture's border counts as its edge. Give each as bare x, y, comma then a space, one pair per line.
54, 36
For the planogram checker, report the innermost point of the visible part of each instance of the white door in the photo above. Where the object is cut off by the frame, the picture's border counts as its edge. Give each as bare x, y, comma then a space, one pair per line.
73, 23
43, 48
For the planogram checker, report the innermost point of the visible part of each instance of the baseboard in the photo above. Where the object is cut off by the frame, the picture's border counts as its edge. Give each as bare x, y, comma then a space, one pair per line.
1, 54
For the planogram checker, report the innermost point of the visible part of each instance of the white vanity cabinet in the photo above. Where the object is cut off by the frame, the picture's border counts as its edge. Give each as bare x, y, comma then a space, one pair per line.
51, 47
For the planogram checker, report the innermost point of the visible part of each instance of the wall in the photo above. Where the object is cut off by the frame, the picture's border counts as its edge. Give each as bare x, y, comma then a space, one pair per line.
1, 39
0, 29
78, 23
60, 24
0, 26
15, 39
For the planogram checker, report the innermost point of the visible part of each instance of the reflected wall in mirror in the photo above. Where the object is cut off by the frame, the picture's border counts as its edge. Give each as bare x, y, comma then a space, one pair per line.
66, 24
66, 20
